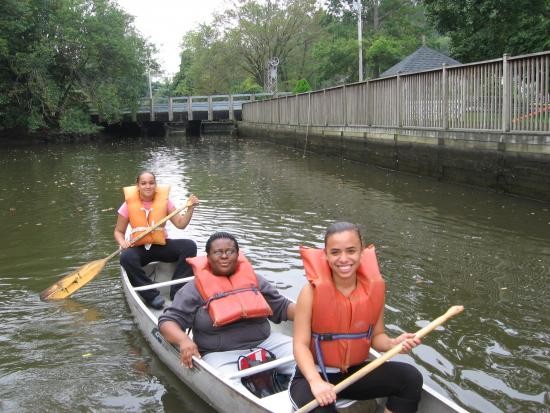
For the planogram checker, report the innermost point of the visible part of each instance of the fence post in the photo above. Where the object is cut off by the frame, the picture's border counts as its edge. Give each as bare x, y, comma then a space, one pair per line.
152, 110
170, 109
325, 111
308, 110
189, 108
210, 110
287, 111
344, 106
279, 111
368, 103
506, 91
298, 107
445, 97
231, 112
398, 101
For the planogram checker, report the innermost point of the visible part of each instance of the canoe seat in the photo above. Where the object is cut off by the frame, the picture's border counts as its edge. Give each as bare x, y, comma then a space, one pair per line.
262, 367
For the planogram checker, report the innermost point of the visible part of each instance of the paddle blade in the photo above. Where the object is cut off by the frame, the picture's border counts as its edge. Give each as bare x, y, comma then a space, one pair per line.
74, 281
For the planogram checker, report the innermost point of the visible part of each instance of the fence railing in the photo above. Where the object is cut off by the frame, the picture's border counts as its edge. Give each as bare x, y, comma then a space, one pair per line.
508, 94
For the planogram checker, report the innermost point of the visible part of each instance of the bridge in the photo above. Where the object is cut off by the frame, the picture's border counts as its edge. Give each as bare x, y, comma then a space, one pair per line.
184, 109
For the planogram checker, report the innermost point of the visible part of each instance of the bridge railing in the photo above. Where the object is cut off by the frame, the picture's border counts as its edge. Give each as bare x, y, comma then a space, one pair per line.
193, 104
508, 94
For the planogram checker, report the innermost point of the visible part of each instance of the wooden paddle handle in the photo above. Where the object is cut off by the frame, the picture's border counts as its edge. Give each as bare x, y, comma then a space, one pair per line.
451, 312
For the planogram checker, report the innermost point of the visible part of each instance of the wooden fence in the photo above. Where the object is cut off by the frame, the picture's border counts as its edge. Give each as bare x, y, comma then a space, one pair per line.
508, 94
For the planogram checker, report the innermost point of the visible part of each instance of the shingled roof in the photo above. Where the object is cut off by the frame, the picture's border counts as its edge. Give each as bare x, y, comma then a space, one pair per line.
422, 59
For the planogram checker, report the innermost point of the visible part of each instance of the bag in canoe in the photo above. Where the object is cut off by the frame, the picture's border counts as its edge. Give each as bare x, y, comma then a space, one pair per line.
264, 383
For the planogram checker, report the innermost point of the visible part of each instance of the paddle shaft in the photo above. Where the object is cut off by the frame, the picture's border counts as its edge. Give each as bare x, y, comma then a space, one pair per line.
454, 310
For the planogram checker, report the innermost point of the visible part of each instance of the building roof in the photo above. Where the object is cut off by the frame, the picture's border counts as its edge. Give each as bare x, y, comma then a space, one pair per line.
423, 58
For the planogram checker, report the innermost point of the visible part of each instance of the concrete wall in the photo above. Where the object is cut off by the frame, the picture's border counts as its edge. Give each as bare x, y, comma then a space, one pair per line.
512, 163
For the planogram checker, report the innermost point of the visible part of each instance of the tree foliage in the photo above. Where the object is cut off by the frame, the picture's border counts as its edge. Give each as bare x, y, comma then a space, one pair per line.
487, 29
60, 58
392, 29
220, 57
301, 86
312, 43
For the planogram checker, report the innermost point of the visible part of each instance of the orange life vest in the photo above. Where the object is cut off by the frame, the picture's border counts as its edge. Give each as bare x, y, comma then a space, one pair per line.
230, 298
334, 314
142, 219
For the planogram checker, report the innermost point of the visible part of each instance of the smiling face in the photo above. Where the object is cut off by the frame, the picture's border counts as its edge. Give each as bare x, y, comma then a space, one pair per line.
343, 251
147, 185
222, 256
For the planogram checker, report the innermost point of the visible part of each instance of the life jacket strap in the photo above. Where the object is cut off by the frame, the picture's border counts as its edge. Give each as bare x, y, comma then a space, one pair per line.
318, 337
223, 294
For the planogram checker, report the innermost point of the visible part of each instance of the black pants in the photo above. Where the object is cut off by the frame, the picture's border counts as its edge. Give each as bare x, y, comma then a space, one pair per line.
401, 383
176, 250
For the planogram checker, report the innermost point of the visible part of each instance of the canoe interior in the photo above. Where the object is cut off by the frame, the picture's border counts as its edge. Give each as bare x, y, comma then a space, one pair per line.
226, 395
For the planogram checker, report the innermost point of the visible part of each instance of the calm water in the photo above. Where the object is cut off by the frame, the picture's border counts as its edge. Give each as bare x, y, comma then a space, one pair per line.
438, 245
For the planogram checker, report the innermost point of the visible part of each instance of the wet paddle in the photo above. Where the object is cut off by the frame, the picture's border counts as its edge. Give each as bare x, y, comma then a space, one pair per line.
451, 312
86, 273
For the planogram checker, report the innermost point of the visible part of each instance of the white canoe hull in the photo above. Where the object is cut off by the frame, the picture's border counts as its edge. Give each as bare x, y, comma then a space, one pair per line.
228, 394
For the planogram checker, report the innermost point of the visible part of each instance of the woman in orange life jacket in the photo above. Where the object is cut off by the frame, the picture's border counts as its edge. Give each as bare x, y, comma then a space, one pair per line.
205, 305
146, 202
329, 305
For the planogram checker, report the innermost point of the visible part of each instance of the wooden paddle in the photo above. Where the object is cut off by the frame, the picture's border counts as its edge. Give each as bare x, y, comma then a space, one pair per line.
86, 273
451, 312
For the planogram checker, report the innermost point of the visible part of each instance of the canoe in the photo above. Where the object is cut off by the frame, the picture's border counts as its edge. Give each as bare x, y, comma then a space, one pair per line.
225, 391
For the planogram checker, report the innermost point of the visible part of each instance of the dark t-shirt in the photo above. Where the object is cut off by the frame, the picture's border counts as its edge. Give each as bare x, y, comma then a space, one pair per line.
188, 311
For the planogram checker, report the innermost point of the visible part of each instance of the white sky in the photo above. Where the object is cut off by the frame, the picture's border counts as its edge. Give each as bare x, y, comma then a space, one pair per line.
163, 23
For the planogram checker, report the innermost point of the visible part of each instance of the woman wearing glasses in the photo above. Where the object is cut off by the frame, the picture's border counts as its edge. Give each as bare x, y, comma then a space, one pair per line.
211, 307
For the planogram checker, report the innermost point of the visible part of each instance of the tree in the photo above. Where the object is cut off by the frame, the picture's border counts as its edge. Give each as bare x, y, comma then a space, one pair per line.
208, 63
248, 85
302, 86
392, 29
487, 29
275, 28
221, 57
310, 42
60, 58
335, 53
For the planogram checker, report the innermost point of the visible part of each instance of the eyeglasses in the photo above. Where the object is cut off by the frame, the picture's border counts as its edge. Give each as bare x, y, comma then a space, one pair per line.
228, 252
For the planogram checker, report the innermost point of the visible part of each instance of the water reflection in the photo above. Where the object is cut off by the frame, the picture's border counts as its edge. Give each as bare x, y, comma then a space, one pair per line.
438, 245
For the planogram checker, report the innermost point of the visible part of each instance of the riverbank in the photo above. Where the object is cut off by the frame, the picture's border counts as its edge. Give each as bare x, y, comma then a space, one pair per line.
18, 137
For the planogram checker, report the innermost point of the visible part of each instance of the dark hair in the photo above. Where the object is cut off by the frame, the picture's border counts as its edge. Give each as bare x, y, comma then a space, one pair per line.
338, 227
220, 235
143, 172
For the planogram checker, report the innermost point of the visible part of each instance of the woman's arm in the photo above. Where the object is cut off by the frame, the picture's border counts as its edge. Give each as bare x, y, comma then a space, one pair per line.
382, 342
323, 391
182, 220
173, 333
120, 231
290, 311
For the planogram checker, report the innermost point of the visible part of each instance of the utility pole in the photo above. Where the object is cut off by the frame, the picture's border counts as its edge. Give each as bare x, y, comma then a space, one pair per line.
358, 6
